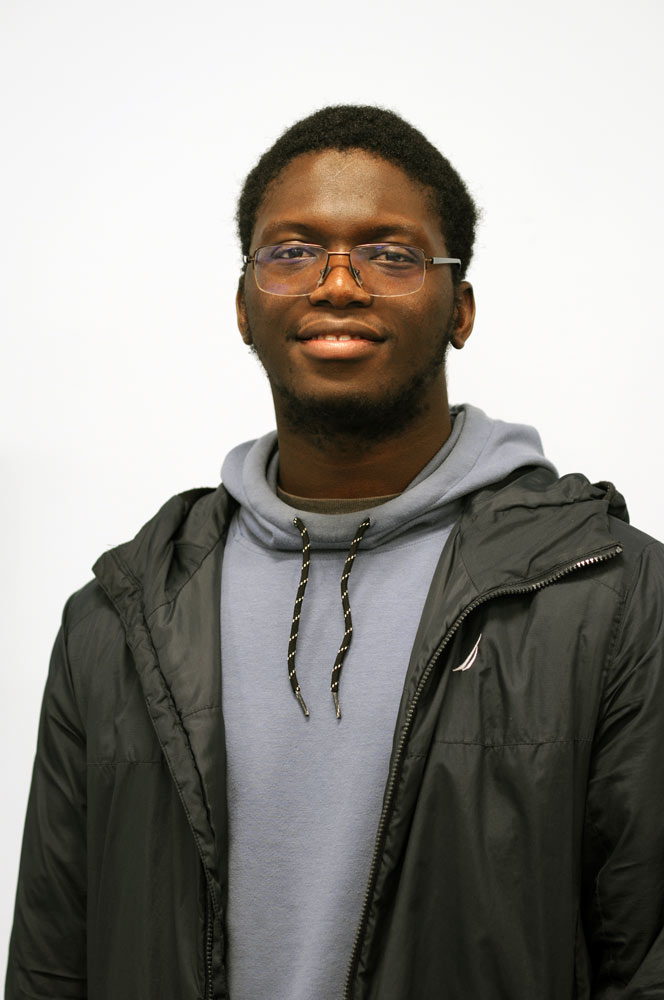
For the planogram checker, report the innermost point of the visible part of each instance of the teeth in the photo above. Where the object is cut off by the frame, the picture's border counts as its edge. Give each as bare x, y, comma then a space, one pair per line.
334, 337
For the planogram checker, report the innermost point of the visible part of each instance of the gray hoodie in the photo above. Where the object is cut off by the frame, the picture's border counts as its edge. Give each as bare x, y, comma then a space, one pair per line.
305, 793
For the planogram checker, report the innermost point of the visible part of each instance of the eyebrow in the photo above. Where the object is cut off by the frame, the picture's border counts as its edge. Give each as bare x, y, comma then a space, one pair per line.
412, 232
378, 232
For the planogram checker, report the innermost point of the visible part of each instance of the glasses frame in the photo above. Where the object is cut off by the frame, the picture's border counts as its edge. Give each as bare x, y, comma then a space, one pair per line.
251, 259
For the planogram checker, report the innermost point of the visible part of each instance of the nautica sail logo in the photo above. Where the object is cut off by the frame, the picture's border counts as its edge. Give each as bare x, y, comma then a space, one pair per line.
470, 659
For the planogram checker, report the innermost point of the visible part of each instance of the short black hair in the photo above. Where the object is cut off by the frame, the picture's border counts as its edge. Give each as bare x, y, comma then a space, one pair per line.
385, 134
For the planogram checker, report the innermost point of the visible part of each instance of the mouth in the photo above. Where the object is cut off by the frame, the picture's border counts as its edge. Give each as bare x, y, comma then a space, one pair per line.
339, 334
335, 338
342, 346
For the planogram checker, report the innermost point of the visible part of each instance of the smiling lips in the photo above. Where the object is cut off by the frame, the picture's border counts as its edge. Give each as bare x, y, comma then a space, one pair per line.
336, 337
342, 347
341, 341
339, 333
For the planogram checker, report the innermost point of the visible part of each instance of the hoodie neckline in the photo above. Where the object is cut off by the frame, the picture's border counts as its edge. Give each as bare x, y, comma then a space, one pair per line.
332, 505
478, 452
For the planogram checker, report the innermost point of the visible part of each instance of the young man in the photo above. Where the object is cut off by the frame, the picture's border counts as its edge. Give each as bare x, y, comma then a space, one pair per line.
382, 716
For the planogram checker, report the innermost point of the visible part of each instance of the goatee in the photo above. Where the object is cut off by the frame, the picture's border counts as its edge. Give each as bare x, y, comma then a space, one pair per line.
358, 419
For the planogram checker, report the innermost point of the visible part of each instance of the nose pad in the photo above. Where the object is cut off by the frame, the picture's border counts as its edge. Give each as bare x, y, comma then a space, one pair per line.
356, 274
326, 270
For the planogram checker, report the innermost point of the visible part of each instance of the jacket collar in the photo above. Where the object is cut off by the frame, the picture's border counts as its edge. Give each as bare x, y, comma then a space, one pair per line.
532, 524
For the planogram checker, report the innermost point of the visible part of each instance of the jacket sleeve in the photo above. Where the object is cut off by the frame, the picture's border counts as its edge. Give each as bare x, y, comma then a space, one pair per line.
47, 954
623, 860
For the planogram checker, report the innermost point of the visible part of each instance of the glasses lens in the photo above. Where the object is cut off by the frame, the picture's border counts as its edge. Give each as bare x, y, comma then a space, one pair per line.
389, 268
289, 268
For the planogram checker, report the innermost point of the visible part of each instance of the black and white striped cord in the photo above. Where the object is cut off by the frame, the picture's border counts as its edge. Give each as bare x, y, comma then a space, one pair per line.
348, 621
297, 610
345, 603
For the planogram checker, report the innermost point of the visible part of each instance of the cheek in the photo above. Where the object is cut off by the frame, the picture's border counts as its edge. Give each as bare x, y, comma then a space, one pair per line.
257, 314
428, 320
440, 316
272, 318
250, 293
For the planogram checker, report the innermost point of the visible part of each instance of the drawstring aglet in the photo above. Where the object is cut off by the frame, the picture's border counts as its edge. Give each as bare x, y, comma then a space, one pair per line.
302, 702
337, 706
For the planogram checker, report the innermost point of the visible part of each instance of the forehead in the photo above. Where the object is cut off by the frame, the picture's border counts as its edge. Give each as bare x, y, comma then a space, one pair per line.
349, 196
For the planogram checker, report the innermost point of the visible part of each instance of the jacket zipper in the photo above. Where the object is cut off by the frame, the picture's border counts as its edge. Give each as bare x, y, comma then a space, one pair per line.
590, 560
209, 930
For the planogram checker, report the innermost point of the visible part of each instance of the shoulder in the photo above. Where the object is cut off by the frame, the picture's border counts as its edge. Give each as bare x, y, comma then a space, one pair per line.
194, 518
639, 577
535, 526
88, 613
150, 567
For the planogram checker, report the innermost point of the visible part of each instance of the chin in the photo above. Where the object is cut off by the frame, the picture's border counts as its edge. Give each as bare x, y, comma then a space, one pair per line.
353, 416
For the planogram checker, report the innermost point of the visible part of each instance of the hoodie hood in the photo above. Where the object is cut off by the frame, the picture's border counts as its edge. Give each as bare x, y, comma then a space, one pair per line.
480, 451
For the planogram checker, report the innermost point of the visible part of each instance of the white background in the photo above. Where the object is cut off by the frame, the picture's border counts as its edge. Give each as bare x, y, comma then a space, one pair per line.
127, 128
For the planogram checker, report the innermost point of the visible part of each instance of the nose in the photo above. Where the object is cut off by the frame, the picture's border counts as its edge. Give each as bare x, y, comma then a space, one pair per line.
338, 285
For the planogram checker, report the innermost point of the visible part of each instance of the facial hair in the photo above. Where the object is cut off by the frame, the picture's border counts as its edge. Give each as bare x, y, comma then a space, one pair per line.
357, 420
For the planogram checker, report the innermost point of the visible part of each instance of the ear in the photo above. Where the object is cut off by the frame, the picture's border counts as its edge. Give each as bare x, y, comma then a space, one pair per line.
241, 309
464, 315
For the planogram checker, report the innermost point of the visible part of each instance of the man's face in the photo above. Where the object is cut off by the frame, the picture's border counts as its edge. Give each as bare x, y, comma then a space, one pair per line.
393, 364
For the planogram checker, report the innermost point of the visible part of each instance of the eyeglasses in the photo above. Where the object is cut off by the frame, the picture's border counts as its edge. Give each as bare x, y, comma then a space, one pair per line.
381, 269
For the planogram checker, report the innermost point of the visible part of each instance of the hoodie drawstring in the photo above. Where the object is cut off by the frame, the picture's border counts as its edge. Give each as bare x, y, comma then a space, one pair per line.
348, 621
295, 626
345, 603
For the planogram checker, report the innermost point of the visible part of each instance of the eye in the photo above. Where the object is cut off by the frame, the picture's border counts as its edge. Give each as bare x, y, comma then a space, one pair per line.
390, 253
290, 251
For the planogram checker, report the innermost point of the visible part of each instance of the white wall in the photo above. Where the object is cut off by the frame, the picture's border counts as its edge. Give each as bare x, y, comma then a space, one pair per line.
127, 129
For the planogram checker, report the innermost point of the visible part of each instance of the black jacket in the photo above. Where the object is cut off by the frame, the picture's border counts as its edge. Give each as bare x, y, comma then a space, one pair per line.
520, 854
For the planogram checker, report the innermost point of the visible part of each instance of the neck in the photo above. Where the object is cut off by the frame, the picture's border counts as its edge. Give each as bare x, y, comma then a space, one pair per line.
343, 465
